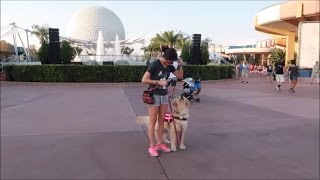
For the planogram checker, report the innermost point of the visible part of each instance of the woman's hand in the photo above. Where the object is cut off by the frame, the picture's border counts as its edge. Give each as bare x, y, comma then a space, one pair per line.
162, 83
180, 61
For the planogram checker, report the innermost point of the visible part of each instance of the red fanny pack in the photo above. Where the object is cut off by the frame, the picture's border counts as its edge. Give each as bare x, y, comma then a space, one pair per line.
147, 96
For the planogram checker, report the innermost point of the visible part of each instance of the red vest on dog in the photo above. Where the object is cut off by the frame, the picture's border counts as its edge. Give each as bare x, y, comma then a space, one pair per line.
168, 118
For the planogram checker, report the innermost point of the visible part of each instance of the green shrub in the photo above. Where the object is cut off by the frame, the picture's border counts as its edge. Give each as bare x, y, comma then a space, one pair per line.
226, 72
119, 73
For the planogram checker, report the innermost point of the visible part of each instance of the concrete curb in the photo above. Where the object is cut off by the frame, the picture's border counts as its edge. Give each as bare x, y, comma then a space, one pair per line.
93, 83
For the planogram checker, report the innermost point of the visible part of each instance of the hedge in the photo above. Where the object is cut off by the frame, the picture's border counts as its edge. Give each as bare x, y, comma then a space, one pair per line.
119, 73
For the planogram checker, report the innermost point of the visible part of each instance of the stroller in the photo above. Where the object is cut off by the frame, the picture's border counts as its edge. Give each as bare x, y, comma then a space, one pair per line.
191, 88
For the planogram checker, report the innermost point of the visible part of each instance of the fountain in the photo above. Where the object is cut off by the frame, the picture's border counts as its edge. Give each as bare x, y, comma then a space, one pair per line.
100, 48
117, 50
106, 53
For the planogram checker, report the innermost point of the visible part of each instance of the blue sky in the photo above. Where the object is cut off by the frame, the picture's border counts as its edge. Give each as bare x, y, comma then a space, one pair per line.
225, 22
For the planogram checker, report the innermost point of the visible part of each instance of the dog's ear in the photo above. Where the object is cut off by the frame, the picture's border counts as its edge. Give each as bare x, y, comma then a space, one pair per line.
174, 103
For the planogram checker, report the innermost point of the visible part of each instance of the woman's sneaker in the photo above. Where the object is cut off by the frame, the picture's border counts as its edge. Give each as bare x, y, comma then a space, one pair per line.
153, 151
163, 147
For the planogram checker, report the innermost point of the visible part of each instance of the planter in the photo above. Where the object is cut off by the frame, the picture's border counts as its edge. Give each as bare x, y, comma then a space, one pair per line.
2, 76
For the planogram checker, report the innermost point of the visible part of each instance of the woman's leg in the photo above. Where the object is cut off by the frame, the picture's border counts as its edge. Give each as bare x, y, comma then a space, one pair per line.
162, 113
294, 83
291, 86
153, 114
242, 77
247, 77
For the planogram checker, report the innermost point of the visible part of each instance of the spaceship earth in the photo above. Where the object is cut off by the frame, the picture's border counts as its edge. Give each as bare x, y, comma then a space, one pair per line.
87, 22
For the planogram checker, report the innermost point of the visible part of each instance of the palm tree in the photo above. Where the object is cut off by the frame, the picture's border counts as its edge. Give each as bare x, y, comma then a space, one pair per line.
42, 32
152, 50
183, 42
167, 38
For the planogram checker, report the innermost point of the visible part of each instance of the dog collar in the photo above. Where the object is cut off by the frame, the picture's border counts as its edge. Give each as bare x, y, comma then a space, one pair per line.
183, 119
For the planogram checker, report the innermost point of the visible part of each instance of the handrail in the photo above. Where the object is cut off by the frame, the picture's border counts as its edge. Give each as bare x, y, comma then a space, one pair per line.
273, 5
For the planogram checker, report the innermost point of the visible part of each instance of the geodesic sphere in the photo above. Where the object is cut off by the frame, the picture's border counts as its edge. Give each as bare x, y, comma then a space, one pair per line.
87, 22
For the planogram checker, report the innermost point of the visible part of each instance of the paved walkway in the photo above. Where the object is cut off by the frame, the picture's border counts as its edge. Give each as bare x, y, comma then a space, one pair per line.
87, 131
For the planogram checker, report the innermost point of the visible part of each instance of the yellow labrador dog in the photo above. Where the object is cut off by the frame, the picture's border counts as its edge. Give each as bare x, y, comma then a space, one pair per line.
180, 113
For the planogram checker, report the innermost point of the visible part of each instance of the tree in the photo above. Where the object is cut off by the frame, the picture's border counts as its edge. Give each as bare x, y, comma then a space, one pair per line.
152, 50
43, 53
204, 51
183, 41
67, 52
127, 50
6, 49
276, 55
185, 53
167, 38
42, 32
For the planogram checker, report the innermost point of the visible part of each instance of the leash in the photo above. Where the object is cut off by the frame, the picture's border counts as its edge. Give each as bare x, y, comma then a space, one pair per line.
174, 122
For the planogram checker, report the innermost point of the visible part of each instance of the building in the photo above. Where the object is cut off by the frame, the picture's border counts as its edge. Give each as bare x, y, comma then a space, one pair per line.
257, 53
281, 22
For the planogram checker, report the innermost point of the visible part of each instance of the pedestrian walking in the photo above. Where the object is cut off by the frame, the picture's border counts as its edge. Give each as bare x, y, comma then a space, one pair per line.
293, 72
315, 72
279, 68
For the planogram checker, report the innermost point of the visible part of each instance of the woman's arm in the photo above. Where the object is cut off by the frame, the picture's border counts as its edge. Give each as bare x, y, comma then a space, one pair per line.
179, 72
146, 80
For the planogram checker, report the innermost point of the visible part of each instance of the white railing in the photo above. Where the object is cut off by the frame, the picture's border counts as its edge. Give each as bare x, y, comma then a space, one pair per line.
269, 14
111, 58
131, 59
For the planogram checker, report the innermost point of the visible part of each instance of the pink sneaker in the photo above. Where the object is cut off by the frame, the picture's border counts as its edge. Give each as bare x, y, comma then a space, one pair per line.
153, 151
163, 147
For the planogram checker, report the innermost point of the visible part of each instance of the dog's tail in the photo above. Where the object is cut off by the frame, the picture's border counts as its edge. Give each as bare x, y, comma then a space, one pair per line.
142, 119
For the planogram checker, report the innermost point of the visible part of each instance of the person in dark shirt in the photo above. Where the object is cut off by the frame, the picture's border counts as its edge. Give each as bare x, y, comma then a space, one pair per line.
157, 75
293, 75
279, 68
269, 72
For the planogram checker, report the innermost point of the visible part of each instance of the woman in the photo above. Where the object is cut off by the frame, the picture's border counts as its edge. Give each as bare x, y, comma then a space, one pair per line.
156, 76
293, 74
245, 71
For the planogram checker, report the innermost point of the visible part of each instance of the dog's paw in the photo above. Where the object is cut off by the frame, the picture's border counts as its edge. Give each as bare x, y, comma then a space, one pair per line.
182, 146
173, 148
165, 140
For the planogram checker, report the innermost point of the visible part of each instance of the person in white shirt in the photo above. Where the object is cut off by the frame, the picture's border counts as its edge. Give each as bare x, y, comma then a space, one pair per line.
245, 72
315, 72
172, 80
